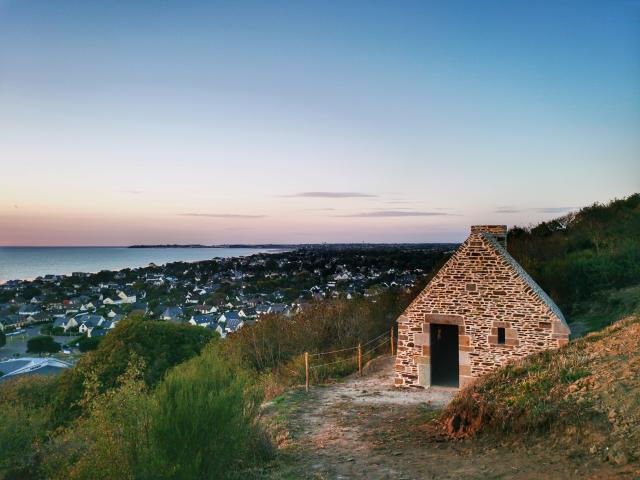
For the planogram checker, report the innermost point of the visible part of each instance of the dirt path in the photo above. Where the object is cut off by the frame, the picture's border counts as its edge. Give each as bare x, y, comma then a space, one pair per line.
363, 428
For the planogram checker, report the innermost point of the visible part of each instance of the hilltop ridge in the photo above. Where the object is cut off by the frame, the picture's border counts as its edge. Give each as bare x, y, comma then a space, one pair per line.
587, 261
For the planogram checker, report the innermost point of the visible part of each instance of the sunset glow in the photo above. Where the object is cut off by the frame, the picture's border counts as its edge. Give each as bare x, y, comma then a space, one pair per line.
202, 122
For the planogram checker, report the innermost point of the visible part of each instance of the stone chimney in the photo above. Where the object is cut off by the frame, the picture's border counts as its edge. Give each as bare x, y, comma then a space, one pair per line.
499, 232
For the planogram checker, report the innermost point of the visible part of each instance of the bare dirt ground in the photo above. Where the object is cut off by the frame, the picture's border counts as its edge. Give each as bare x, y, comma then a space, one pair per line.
363, 428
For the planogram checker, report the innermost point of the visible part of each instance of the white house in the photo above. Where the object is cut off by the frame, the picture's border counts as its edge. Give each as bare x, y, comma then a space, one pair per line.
202, 320
127, 297
112, 300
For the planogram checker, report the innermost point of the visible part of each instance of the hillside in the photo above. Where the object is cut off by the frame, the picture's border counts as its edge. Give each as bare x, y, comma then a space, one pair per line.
570, 413
567, 413
585, 396
157, 400
588, 261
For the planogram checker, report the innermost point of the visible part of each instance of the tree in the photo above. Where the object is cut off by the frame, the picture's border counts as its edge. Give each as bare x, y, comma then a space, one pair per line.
86, 344
3, 339
46, 329
42, 344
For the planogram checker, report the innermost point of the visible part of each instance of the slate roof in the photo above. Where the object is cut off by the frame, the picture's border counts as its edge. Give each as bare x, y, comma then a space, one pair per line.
233, 324
10, 319
140, 306
203, 319
278, 308
540, 293
228, 316
90, 320
59, 322
262, 308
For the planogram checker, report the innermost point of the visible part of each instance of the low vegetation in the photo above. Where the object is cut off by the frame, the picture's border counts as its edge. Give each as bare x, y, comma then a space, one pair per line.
159, 345
587, 393
24, 415
156, 400
43, 344
87, 344
198, 421
205, 419
274, 346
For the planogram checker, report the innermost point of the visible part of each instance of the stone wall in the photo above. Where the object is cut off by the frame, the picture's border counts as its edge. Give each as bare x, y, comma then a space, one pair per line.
479, 290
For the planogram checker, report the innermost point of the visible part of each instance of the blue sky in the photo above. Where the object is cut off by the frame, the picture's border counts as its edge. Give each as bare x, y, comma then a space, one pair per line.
183, 121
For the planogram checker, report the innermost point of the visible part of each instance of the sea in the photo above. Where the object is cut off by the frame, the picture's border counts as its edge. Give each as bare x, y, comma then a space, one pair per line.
27, 263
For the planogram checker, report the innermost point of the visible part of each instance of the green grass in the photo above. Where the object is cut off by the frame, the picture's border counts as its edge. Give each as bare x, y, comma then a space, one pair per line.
526, 396
603, 309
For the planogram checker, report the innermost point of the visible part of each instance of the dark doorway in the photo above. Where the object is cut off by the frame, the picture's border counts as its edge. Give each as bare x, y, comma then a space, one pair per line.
444, 355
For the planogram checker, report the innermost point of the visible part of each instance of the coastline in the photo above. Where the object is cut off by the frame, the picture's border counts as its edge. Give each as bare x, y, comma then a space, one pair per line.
65, 268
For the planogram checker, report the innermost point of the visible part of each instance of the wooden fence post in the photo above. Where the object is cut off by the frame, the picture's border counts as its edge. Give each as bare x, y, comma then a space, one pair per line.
306, 371
360, 359
392, 346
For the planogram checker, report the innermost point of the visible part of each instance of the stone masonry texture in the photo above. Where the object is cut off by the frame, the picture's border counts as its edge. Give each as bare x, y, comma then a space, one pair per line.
480, 289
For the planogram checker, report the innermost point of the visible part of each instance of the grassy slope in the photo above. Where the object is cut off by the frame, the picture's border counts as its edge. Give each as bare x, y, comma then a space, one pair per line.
586, 395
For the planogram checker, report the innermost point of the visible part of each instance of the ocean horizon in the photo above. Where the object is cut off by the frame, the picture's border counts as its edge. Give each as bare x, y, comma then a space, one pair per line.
28, 263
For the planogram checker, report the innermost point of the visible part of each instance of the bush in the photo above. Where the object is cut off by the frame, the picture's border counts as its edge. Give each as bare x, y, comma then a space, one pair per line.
273, 347
87, 344
46, 329
322, 326
160, 346
199, 423
42, 344
24, 417
205, 422
111, 438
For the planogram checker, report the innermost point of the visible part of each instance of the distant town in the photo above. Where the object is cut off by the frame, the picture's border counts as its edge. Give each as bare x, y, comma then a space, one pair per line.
219, 294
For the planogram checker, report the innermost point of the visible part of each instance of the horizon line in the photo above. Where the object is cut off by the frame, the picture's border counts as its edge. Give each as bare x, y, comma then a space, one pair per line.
224, 245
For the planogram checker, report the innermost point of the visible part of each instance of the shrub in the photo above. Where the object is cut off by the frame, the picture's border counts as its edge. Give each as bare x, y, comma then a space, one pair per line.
200, 422
42, 344
322, 326
111, 438
205, 422
24, 419
160, 346
46, 329
87, 344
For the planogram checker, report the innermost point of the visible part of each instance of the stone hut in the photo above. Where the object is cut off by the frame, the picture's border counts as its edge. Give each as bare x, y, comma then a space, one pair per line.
480, 311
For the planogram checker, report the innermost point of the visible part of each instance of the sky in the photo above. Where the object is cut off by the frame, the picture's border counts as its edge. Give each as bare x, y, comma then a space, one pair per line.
330, 121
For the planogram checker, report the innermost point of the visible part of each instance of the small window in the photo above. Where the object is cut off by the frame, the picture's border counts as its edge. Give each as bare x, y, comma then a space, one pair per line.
501, 336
